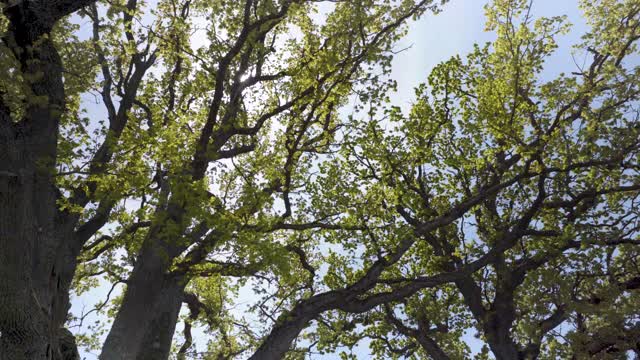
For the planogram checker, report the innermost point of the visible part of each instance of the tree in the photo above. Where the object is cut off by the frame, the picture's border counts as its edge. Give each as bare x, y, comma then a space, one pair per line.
549, 170
502, 201
180, 171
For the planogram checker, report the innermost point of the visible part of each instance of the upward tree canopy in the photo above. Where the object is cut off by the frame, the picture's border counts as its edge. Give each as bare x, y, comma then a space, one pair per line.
177, 151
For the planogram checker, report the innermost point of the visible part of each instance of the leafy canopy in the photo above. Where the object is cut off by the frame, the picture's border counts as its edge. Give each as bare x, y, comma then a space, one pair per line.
209, 139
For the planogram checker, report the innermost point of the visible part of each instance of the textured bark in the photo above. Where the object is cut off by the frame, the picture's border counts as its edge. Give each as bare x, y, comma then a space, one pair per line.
26, 239
431, 347
156, 343
497, 330
37, 261
145, 323
38, 257
40, 244
421, 335
147, 317
279, 340
496, 321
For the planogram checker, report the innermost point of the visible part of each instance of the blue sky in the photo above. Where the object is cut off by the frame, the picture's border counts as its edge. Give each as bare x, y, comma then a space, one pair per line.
429, 41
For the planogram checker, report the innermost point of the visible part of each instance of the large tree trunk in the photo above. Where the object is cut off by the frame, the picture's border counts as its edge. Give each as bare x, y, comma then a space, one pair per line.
290, 324
27, 276
146, 320
36, 265
279, 340
37, 260
496, 322
147, 317
499, 337
156, 343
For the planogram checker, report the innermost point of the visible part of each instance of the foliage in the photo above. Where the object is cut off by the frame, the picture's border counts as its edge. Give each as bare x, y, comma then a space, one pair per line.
203, 154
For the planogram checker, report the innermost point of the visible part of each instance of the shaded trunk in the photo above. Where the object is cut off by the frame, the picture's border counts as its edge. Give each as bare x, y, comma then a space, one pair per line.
37, 260
276, 345
497, 330
26, 238
146, 320
496, 321
431, 347
290, 324
156, 343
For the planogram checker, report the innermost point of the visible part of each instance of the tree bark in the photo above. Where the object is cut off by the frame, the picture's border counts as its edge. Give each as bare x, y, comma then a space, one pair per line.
26, 230
37, 259
157, 340
496, 322
146, 320
289, 325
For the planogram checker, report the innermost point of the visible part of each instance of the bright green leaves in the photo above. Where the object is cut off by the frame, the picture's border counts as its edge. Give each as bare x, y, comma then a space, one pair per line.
563, 154
614, 24
491, 157
258, 87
